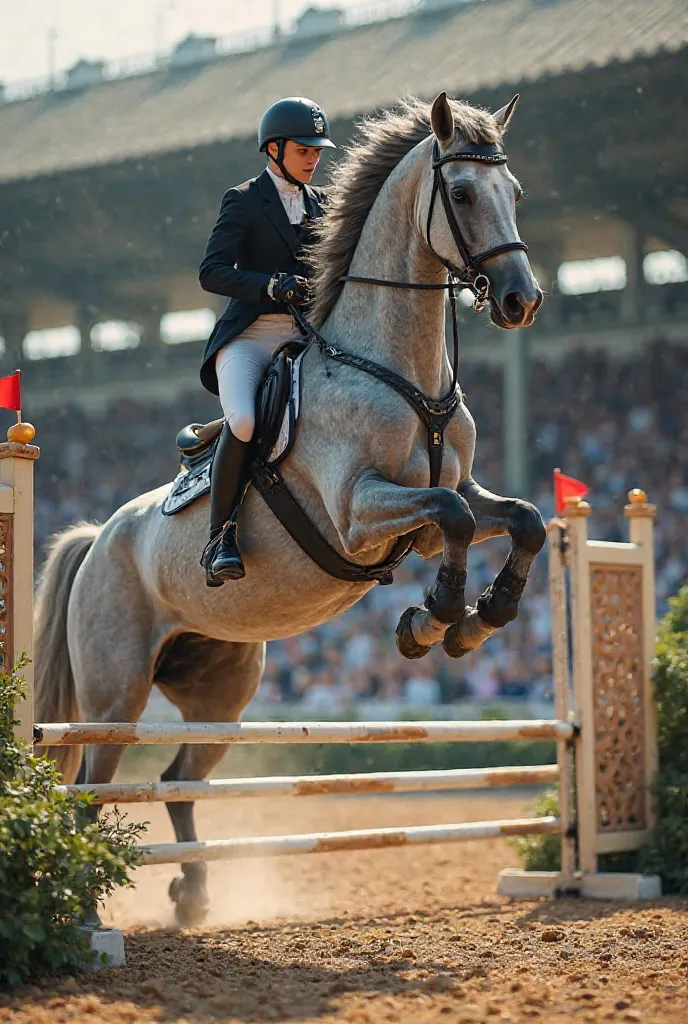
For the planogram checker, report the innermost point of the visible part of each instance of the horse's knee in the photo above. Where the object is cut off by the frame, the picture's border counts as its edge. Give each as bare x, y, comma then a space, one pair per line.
527, 528
454, 516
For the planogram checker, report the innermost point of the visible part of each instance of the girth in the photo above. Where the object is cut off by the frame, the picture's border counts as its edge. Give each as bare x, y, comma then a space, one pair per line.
271, 484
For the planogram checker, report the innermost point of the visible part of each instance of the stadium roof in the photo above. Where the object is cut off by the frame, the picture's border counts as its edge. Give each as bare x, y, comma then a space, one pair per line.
464, 48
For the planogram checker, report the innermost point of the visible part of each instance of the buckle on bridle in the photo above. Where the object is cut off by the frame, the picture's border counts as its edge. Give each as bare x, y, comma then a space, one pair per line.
481, 292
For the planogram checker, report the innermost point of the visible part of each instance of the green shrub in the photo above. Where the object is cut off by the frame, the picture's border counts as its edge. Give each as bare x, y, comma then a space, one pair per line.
667, 852
541, 853
51, 870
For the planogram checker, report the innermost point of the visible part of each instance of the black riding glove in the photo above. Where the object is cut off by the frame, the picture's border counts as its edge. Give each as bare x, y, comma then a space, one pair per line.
289, 288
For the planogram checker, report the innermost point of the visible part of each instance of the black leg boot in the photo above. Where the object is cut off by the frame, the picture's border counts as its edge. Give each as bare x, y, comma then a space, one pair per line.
228, 480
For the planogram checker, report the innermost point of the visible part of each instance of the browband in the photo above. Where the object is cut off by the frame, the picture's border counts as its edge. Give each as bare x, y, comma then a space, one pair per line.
481, 152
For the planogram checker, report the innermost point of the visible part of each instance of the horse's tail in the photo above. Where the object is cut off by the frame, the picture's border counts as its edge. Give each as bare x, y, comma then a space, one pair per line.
54, 694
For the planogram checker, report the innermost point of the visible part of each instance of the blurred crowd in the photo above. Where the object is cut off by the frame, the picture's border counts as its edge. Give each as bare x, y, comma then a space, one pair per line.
613, 423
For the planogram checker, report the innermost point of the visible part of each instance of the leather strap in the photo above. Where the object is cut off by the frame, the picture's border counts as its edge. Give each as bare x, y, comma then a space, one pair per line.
271, 485
435, 415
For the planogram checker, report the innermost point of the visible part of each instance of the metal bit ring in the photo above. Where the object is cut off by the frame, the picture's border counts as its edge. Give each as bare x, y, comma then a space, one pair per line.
481, 289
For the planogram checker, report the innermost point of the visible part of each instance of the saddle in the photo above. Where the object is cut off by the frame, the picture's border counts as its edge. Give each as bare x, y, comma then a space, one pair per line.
277, 409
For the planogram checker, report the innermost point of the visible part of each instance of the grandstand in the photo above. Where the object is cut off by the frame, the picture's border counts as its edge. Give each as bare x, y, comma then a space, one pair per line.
109, 185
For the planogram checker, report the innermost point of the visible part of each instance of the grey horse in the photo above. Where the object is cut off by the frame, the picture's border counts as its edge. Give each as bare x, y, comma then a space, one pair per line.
124, 606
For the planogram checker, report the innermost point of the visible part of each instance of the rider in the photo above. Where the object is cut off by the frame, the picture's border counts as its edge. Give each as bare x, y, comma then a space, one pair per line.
254, 257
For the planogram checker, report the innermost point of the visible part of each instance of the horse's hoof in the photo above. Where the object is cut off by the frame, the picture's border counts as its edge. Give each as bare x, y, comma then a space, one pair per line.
407, 645
451, 644
190, 906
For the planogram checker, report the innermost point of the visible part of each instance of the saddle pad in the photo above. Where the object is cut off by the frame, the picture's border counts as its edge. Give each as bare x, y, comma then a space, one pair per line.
189, 484
193, 483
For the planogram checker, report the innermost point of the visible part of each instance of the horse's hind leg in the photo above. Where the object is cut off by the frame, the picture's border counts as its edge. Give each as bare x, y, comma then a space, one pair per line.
111, 689
209, 681
112, 678
495, 517
114, 638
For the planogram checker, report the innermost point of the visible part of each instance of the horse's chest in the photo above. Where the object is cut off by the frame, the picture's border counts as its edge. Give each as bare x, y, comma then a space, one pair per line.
457, 449
415, 472
376, 429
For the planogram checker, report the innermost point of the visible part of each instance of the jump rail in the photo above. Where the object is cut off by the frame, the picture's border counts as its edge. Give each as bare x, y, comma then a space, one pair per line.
71, 733
330, 842
318, 785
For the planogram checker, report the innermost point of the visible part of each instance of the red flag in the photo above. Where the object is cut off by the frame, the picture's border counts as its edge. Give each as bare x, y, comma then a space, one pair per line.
566, 487
10, 391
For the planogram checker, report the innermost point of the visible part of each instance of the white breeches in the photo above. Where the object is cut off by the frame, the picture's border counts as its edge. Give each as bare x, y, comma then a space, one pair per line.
241, 364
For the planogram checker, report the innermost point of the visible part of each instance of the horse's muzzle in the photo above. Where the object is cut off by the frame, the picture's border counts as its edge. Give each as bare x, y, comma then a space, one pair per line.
516, 308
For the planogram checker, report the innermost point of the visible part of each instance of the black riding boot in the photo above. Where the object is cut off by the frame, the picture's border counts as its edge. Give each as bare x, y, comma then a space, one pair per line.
228, 479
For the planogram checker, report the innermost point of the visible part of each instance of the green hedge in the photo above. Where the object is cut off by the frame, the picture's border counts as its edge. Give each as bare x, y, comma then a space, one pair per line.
53, 865
667, 853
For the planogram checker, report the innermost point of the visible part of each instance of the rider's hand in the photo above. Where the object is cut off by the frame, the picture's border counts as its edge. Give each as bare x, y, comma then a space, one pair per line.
289, 288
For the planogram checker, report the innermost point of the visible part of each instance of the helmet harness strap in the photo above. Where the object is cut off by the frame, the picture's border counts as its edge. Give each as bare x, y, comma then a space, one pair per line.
279, 160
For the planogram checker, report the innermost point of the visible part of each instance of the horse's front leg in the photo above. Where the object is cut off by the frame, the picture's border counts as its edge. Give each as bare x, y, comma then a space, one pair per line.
495, 517
379, 512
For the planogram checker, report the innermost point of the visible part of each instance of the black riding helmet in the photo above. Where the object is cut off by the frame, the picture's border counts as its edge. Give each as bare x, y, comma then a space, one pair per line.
298, 119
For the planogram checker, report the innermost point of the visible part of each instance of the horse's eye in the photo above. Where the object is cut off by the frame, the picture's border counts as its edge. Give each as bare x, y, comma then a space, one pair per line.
460, 196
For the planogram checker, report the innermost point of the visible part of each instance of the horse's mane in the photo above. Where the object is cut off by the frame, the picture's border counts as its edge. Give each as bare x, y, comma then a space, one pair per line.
381, 143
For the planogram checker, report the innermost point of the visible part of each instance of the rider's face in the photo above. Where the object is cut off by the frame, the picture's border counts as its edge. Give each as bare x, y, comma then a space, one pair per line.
300, 161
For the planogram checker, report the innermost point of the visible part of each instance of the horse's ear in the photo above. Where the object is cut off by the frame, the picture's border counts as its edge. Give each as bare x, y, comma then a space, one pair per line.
442, 119
503, 116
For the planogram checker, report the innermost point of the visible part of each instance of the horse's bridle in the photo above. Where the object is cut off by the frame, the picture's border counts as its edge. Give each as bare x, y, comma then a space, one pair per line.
470, 274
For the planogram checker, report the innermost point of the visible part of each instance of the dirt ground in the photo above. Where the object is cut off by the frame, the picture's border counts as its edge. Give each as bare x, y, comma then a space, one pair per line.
398, 935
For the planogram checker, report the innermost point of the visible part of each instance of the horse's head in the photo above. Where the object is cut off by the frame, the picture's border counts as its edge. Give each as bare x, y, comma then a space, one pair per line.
479, 193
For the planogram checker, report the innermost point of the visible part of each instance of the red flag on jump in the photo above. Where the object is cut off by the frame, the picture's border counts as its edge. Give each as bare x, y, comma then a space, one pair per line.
10, 391
566, 487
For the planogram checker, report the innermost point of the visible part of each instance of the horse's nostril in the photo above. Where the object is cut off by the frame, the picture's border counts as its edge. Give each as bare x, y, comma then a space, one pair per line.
513, 303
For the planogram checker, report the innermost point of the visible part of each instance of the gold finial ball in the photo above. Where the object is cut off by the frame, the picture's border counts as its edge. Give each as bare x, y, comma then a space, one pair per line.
637, 496
23, 433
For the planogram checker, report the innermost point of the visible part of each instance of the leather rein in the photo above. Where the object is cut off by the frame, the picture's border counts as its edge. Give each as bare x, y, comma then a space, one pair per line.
435, 414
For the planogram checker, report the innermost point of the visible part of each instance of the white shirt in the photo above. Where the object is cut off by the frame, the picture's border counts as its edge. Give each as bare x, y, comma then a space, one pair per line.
291, 196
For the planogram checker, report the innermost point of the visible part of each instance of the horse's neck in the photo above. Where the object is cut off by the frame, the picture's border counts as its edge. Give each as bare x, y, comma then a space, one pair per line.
403, 329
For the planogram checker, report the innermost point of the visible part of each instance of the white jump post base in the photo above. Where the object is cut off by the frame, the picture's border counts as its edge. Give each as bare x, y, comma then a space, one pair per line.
519, 884
108, 944
603, 642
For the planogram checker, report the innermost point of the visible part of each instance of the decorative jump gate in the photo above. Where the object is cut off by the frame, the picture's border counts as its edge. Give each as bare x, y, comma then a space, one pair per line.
603, 622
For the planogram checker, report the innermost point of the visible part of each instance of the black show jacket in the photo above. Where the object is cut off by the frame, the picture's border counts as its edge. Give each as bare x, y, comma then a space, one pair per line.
251, 241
